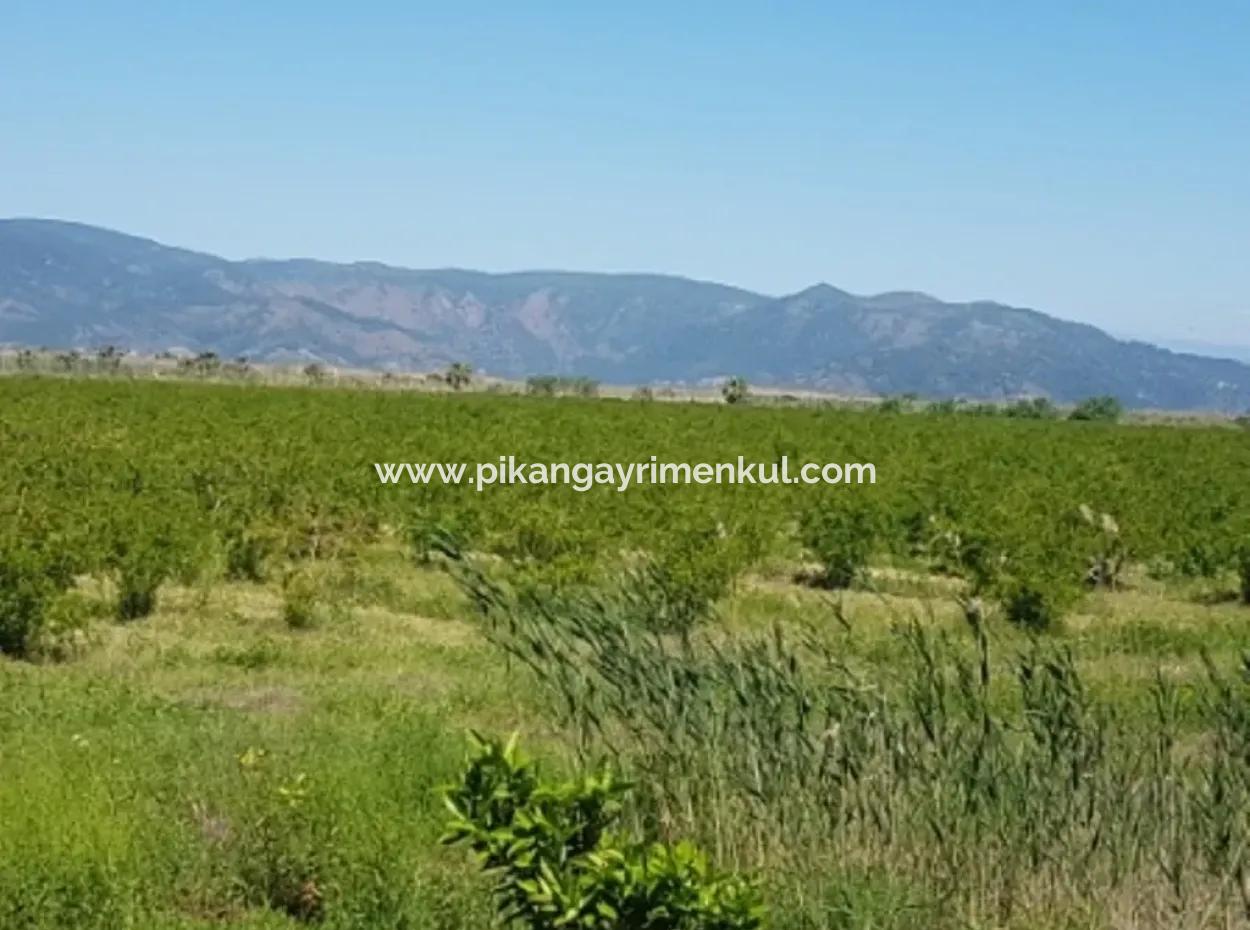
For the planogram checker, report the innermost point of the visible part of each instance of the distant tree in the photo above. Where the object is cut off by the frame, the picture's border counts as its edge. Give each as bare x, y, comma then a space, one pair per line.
206, 363
1034, 408
542, 385
68, 361
1104, 408
891, 405
644, 393
315, 372
735, 390
108, 358
945, 407
458, 375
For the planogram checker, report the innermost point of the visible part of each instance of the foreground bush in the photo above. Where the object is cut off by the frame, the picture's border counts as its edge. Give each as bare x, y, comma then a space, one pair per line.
30, 581
557, 861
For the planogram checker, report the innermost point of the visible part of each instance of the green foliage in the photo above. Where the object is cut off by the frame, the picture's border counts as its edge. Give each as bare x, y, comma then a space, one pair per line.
300, 609
1104, 408
558, 860
902, 403
1035, 601
248, 551
30, 581
542, 385
672, 597
842, 534
1108, 555
553, 385
140, 565
1242, 564
735, 390
1034, 408
458, 375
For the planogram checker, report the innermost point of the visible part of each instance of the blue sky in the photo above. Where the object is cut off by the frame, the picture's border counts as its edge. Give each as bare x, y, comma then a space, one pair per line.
1088, 159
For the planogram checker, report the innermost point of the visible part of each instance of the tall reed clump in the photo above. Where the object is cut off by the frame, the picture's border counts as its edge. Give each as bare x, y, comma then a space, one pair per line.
996, 784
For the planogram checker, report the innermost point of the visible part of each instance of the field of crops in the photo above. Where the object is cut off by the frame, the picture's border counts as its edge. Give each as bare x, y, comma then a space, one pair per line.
1000, 687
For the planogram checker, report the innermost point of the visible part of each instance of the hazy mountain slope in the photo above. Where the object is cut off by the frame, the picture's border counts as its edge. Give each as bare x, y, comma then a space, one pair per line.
64, 284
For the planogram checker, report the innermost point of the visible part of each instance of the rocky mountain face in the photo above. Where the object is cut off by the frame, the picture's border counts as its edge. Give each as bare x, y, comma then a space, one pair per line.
70, 285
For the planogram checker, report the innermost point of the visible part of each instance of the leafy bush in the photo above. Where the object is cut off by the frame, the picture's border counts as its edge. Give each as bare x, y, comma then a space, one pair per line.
300, 610
280, 844
458, 375
735, 390
946, 407
141, 567
842, 537
542, 385
1034, 408
1105, 408
557, 862
30, 580
1035, 587
1029, 605
551, 385
247, 551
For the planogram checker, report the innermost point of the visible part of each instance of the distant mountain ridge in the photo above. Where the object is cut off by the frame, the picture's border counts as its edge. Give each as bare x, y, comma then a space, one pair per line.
67, 284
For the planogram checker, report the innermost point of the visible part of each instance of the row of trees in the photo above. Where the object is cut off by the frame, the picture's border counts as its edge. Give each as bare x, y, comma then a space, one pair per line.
460, 375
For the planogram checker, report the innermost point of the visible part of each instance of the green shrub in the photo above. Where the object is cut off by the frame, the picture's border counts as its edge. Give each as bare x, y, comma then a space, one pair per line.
558, 862
735, 390
458, 375
1105, 408
842, 537
280, 845
891, 405
30, 581
1034, 408
542, 385
300, 610
1034, 591
946, 407
141, 565
247, 553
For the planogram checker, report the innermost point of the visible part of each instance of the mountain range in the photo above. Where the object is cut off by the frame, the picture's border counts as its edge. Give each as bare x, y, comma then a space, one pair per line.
72, 285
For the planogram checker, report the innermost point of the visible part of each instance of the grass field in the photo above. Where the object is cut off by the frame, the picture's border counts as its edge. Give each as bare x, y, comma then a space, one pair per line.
237, 705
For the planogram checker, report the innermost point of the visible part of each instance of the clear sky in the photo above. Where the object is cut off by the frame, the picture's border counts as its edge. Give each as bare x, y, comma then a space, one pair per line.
1089, 159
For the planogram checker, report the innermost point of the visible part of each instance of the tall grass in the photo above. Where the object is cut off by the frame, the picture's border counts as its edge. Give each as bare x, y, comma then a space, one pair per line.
994, 782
